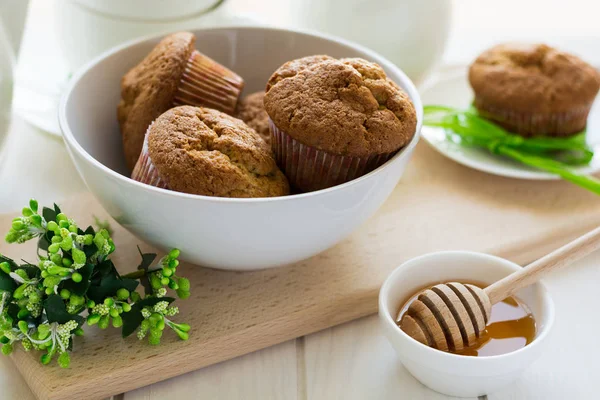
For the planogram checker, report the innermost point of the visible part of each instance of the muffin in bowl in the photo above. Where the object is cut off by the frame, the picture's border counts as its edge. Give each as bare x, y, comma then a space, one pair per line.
218, 232
251, 110
172, 74
334, 120
203, 151
533, 89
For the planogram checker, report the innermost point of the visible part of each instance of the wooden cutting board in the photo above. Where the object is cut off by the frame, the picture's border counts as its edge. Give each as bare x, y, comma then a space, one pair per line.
438, 205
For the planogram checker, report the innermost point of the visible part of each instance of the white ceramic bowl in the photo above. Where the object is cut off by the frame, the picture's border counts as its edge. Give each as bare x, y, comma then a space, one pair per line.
447, 373
239, 234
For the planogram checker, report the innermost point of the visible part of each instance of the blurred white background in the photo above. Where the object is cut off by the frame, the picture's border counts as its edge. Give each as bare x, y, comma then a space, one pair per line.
477, 24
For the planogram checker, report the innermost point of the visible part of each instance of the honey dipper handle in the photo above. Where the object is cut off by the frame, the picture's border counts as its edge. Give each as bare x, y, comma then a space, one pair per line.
567, 254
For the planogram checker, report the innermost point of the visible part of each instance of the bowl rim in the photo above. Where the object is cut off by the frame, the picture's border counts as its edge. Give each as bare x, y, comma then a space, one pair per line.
386, 317
406, 82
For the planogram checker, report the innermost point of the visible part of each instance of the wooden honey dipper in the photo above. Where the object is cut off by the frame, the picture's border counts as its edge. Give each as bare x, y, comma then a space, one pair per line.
453, 315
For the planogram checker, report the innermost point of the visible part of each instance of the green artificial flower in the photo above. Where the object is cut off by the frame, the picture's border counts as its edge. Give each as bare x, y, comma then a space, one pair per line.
155, 321
41, 305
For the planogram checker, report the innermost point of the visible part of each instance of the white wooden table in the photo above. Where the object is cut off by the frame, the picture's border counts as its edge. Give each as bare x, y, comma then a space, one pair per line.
354, 361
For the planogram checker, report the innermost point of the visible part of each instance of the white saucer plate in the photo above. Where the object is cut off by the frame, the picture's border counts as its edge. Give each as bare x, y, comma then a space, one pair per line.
451, 88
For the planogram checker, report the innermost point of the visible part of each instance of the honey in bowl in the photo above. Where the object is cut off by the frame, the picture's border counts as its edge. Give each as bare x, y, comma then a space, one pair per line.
511, 327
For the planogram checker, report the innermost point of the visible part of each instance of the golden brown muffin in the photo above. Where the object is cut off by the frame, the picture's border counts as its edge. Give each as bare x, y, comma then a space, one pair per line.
149, 88
173, 74
533, 89
251, 110
343, 107
332, 120
207, 152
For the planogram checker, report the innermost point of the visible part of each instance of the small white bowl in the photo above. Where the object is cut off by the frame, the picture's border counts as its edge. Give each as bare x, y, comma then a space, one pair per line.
239, 234
452, 374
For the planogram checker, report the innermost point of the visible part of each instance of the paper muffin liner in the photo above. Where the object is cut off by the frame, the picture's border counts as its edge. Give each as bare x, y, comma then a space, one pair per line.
309, 169
537, 124
206, 83
145, 171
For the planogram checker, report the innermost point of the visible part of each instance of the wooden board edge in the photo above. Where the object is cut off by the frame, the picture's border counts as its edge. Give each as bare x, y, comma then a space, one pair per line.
175, 363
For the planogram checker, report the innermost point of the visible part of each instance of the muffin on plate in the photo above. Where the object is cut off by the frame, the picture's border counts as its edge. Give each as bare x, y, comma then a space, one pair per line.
533, 89
251, 110
204, 151
335, 120
174, 73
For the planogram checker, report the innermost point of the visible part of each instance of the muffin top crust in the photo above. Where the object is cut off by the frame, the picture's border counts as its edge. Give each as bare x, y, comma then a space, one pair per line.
533, 78
251, 110
148, 89
344, 107
207, 152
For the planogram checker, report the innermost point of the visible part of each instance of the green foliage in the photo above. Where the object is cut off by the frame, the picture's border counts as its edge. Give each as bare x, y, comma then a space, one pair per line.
554, 155
41, 305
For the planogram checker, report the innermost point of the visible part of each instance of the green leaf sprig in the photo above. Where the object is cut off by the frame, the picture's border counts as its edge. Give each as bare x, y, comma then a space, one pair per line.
554, 155
43, 306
